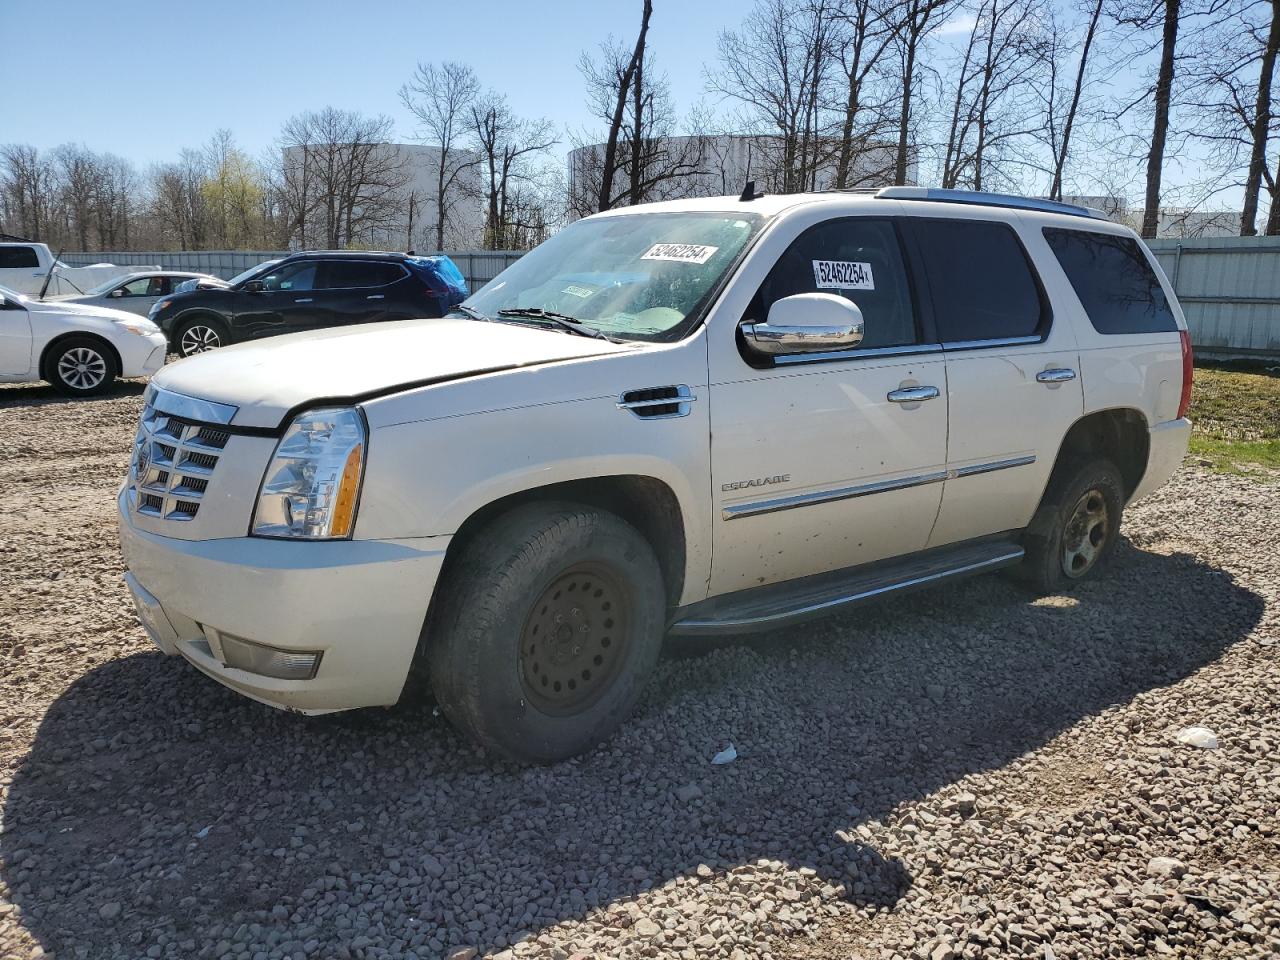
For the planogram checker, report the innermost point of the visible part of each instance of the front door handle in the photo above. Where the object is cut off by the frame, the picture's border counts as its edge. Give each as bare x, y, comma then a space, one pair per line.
376, 296
912, 394
1056, 375
305, 300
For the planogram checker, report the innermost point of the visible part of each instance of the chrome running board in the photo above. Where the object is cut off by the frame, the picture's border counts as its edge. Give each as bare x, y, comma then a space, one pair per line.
781, 604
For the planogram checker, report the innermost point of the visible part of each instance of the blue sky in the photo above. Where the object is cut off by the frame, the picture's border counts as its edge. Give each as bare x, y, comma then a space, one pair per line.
143, 78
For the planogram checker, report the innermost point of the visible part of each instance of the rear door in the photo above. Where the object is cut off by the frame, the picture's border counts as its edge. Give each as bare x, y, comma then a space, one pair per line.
364, 291
1013, 380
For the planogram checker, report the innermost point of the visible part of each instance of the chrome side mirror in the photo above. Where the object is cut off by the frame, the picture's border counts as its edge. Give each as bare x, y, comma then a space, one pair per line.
806, 323
117, 292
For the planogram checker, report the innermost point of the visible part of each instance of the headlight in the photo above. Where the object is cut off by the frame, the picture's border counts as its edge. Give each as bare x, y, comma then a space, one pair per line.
313, 482
138, 327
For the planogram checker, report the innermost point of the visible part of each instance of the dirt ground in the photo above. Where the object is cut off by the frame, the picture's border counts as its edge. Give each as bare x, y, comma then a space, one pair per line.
964, 773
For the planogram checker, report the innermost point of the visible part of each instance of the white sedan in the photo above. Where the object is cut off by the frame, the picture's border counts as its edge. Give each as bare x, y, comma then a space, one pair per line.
79, 349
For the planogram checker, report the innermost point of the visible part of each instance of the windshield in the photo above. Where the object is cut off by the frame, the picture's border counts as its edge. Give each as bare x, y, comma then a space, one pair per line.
102, 288
251, 271
639, 276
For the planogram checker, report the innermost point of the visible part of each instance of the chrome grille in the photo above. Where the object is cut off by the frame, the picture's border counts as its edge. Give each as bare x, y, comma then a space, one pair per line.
173, 460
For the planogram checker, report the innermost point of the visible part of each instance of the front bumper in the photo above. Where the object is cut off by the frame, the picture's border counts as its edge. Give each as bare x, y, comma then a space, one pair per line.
361, 603
141, 356
1169, 442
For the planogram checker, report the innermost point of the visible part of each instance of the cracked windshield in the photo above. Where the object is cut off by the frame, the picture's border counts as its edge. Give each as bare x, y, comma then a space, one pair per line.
642, 277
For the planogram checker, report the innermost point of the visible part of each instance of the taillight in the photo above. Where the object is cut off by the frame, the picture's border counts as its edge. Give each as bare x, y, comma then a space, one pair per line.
1184, 403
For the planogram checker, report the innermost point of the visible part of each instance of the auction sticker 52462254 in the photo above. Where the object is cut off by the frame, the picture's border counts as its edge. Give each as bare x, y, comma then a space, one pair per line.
681, 252
843, 275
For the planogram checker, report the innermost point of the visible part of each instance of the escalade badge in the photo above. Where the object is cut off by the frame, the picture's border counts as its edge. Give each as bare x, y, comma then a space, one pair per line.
757, 482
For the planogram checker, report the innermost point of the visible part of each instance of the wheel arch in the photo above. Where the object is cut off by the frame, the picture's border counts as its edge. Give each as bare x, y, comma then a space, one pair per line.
50, 348
647, 503
1121, 434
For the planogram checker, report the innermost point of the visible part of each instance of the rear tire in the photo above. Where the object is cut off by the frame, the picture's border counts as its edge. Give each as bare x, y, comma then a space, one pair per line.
199, 335
545, 629
1075, 529
81, 366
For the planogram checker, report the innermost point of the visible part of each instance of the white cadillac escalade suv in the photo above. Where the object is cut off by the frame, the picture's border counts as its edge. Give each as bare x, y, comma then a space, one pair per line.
698, 417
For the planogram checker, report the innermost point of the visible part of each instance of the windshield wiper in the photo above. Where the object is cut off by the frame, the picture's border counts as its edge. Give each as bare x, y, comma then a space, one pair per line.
561, 321
471, 312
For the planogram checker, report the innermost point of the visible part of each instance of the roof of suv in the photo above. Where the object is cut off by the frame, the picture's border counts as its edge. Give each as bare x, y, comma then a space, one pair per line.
348, 255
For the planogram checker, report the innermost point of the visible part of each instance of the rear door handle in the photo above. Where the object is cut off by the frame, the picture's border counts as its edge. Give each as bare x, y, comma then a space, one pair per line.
305, 300
376, 296
1056, 375
911, 394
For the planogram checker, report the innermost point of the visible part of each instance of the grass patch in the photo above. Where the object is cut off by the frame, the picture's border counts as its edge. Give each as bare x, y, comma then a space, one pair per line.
1235, 420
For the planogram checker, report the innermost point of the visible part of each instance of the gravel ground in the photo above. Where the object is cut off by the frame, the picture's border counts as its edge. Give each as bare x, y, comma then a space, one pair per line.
967, 772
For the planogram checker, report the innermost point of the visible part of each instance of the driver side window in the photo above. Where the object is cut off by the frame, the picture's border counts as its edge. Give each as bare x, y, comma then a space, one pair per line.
857, 258
294, 276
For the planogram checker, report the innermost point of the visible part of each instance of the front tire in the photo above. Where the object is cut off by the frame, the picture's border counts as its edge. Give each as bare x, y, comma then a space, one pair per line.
199, 335
1075, 530
545, 630
81, 367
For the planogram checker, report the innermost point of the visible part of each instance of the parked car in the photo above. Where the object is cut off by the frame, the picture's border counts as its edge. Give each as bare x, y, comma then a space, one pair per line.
26, 267
700, 417
80, 349
310, 291
212, 283
136, 292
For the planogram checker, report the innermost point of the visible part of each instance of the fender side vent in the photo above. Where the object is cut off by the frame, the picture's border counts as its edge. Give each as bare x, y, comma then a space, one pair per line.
658, 403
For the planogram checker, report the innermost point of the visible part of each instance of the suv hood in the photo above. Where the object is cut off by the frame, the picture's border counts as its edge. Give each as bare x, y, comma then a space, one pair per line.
266, 379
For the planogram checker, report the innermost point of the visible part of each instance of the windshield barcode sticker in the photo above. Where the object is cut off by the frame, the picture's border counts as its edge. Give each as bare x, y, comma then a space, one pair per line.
680, 252
843, 275
576, 291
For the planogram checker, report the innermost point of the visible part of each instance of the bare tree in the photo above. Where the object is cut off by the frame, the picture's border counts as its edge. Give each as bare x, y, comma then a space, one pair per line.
114, 201
863, 37
1230, 79
1059, 126
27, 187
1165, 16
178, 201
345, 178
506, 144
614, 84
995, 89
777, 67
915, 20
441, 97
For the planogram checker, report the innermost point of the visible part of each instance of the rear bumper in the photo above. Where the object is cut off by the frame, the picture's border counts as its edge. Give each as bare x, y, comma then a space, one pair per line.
1168, 446
360, 603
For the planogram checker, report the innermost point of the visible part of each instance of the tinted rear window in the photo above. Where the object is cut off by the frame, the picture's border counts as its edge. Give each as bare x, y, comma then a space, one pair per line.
981, 281
340, 274
1114, 281
18, 258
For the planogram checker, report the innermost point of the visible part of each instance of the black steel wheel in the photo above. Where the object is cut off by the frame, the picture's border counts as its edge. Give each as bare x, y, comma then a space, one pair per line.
545, 627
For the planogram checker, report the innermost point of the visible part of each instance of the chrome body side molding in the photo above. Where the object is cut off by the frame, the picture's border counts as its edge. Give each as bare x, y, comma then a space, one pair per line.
774, 504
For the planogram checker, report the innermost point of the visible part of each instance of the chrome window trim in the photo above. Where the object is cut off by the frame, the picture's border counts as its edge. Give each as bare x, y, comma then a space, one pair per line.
999, 342
906, 350
775, 504
189, 408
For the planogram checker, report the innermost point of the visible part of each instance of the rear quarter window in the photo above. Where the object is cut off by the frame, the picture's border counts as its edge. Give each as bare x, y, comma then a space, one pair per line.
1114, 281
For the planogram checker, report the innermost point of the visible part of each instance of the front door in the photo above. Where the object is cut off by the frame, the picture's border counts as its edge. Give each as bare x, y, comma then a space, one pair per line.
822, 462
286, 304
